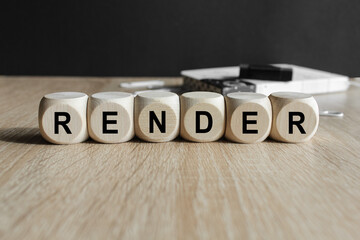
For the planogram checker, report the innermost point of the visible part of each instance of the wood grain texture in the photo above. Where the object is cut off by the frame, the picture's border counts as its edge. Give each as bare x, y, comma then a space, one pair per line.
174, 190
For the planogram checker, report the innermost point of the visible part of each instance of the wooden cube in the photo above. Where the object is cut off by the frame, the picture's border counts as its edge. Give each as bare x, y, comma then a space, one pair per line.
202, 116
62, 117
295, 117
157, 116
248, 117
110, 117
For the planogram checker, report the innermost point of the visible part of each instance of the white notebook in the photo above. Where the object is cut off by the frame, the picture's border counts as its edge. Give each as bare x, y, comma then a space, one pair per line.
304, 79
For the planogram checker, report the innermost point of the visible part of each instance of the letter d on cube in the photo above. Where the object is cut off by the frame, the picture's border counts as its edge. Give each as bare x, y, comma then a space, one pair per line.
202, 116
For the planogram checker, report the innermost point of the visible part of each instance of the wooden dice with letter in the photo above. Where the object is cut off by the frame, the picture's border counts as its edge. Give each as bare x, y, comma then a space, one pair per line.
295, 116
110, 117
62, 117
157, 116
202, 116
248, 117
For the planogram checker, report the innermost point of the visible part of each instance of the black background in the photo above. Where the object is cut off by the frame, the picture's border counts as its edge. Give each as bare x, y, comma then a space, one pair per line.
162, 37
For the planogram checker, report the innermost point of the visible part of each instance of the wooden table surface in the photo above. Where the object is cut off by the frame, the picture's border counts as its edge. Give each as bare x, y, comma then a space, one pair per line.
174, 190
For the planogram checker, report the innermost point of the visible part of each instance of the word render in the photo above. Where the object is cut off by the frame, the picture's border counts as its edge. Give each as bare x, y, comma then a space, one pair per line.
153, 116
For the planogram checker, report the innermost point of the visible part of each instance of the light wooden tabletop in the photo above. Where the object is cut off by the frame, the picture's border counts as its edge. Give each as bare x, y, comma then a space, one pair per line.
174, 190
